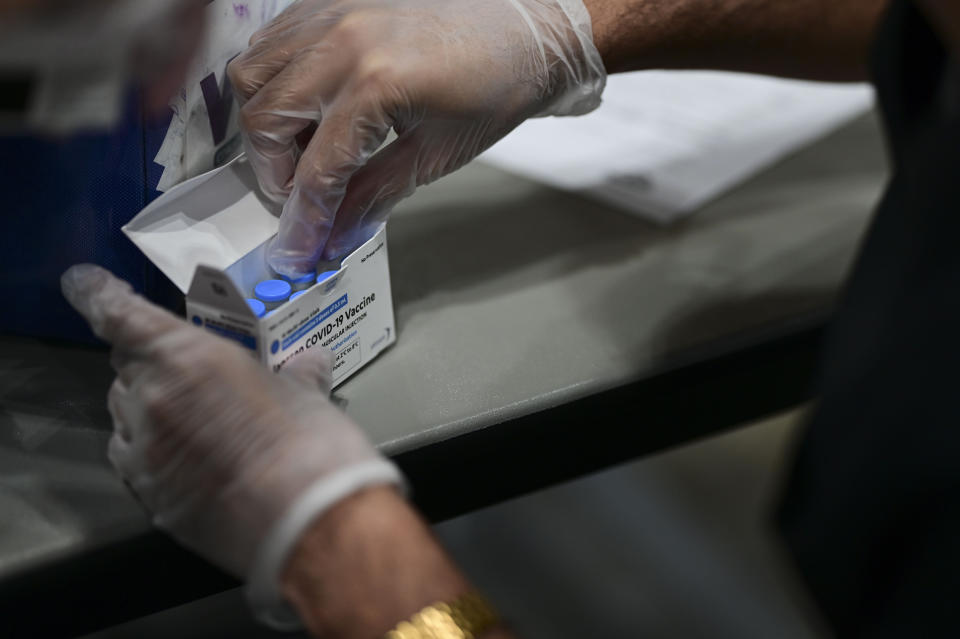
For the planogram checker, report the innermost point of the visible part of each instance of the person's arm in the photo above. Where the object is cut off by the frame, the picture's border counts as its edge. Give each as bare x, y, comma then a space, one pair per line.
260, 473
326, 81
368, 564
815, 39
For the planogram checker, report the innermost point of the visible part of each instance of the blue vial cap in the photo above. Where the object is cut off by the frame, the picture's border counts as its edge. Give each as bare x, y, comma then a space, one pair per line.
325, 276
297, 294
272, 291
303, 279
257, 307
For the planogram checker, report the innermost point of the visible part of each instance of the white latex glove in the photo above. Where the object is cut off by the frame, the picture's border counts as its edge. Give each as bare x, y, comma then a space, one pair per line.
231, 459
450, 77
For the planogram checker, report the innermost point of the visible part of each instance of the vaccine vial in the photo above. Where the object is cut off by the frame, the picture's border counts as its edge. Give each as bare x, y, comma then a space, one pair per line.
301, 283
299, 293
325, 276
257, 307
272, 293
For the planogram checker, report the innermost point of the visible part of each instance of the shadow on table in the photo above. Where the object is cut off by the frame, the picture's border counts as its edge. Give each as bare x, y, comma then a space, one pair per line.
507, 244
485, 231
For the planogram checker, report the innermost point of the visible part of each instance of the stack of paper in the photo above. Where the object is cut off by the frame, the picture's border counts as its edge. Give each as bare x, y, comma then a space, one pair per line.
665, 142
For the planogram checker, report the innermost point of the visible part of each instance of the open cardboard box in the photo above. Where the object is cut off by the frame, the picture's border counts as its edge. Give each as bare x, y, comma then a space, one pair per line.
209, 236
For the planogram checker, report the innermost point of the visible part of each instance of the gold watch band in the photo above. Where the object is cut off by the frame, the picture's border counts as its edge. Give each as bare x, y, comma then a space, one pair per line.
467, 617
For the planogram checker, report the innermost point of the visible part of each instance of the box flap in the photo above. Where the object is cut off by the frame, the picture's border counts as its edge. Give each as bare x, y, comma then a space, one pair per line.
214, 219
214, 288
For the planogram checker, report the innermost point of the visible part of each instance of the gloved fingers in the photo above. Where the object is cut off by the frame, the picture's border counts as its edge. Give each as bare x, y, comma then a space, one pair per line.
118, 403
120, 454
151, 451
125, 459
345, 139
297, 31
135, 452
304, 227
266, 55
176, 465
284, 107
293, 17
115, 313
129, 365
304, 137
390, 175
273, 169
182, 497
249, 76
313, 369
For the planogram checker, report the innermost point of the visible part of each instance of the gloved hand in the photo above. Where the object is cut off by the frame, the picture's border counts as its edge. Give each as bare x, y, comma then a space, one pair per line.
233, 460
450, 77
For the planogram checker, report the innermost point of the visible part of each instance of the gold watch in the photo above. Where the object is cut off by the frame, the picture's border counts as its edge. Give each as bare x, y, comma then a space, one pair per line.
467, 617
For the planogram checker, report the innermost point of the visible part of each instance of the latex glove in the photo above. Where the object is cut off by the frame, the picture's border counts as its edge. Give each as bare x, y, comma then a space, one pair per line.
231, 459
450, 77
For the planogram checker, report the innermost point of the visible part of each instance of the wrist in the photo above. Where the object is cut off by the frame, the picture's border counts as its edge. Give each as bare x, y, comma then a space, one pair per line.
567, 75
366, 564
264, 588
589, 73
605, 20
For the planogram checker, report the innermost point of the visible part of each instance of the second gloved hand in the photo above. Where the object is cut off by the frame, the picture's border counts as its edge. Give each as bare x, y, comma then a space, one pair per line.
231, 459
325, 82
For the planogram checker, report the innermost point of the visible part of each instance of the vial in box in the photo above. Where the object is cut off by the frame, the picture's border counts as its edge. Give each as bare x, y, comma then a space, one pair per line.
272, 293
301, 283
257, 307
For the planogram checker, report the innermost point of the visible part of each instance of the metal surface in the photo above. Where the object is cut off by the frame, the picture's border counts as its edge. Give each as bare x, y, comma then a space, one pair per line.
541, 336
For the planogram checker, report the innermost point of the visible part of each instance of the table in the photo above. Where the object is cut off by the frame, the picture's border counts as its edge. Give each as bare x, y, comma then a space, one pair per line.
542, 336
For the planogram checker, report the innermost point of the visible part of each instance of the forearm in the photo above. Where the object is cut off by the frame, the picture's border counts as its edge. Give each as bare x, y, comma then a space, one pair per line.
368, 564
815, 39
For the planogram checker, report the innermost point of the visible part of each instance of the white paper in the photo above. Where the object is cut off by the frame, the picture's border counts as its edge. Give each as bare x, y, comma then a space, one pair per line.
663, 143
214, 219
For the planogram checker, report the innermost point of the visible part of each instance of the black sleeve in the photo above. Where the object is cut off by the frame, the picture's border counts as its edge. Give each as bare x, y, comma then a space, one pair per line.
872, 510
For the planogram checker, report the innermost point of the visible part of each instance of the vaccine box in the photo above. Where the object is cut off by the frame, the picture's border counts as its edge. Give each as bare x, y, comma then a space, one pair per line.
209, 235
